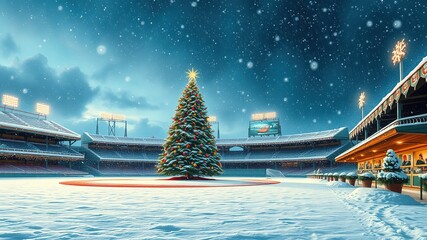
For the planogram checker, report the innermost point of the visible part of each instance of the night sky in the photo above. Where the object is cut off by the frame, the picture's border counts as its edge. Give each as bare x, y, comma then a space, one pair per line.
306, 60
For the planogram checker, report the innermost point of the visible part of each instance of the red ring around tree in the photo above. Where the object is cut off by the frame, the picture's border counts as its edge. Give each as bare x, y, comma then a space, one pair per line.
159, 183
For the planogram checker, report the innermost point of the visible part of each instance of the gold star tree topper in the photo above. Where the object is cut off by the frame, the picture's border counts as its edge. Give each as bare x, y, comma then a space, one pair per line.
192, 74
399, 51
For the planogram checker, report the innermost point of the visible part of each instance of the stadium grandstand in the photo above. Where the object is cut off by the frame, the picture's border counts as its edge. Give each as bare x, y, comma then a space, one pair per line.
296, 154
32, 145
398, 122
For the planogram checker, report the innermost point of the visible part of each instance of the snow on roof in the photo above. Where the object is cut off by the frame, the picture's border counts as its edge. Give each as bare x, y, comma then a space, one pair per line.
398, 85
33, 123
294, 138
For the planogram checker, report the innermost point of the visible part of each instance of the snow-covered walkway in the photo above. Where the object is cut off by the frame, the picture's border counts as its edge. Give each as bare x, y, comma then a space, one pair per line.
297, 208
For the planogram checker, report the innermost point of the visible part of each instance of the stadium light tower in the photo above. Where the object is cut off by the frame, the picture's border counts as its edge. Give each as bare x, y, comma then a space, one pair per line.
10, 101
212, 119
399, 52
112, 119
42, 109
362, 100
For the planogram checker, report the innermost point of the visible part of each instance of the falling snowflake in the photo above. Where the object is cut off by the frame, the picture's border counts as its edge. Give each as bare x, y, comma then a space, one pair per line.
285, 99
277, 38
243, 110
101, 49
397, 24
314, 65
329, 121
339, 112
127, 79
369, 23
250, 65
194, 4
240, 60
314, 120
60, 8
24, 91
286, 80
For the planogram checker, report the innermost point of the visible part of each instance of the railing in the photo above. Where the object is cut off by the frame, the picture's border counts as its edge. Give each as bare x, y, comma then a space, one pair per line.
419, 119
408, 120
40, 151
415, 119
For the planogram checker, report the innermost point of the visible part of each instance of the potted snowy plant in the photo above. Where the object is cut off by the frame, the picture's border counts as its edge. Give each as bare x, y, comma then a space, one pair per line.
351, 176
392, 176
367, 179
335, 176
325, 176
330, 176
342, 176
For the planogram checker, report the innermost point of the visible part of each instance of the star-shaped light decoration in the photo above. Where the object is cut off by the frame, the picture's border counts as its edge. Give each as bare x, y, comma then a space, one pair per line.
192, 74
399, 51
362, 100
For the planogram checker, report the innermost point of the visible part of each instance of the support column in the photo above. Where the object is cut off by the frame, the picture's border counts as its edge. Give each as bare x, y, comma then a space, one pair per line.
399, 110
126, 128
378, 124
218, 130
97, 128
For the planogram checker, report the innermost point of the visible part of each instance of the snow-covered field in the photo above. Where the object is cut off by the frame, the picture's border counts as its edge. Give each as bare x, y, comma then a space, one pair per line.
40, 208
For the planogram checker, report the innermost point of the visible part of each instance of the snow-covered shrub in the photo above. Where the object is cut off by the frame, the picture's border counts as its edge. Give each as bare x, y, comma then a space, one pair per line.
351, 175
392, 177
367, 176
423, 176
391, 173
336, 174
343, 174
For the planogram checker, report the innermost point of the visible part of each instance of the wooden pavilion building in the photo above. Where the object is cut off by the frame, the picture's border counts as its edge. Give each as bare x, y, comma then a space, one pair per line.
398, 122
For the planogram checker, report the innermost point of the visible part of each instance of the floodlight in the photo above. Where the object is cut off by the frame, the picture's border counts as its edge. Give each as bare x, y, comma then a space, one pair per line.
112, 117
270, 115
362, 100
257, 116
43, 109
106, 116
262, 116
10, 101
399, 51
118, 117
212, 119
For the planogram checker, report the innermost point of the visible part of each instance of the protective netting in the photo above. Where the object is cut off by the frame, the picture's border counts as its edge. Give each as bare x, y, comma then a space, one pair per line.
274, 173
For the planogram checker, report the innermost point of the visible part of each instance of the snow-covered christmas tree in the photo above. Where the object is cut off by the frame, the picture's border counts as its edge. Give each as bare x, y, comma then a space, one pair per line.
190, 149
391, 172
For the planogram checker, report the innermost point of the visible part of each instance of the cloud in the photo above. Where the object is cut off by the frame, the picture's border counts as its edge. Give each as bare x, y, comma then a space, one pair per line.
125, 100
144, 128
34, 81
105, 71
8, 45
